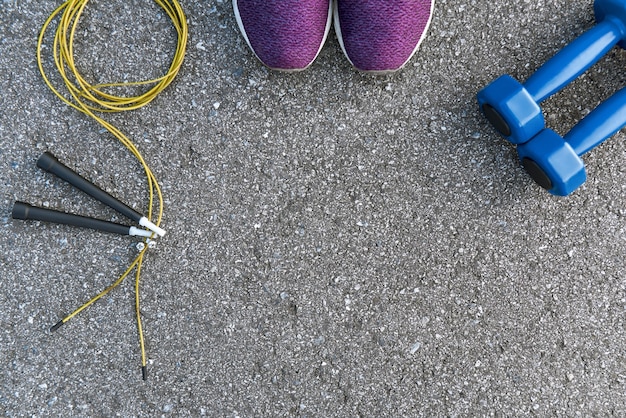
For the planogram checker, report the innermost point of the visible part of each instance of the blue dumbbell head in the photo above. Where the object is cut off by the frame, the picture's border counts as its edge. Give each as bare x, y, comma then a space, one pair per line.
555, 163
615, 10
511, 109
552, 163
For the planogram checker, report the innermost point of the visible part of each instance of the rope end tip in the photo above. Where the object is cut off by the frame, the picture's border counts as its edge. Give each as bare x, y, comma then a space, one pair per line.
56, 326
144, 373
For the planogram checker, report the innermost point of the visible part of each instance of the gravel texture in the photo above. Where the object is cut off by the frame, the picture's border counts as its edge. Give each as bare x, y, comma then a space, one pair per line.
338, 244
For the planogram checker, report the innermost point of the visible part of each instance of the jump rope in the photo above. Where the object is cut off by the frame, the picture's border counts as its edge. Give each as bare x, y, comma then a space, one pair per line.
92, 100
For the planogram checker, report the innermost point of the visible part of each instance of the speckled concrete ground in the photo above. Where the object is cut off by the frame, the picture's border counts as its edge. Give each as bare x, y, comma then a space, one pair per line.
338, 244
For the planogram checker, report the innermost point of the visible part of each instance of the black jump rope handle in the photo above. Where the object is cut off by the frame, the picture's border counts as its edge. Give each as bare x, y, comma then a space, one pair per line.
25, 212
48, 162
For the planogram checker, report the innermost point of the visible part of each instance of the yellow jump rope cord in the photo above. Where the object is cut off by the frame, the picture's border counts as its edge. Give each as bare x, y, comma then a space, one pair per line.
91, 99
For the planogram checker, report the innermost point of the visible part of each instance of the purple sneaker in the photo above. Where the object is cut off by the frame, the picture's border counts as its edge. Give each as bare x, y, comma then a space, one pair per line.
284, 34
380, 36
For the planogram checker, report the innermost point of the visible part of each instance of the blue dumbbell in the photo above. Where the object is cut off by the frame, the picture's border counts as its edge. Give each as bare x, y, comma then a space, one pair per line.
513, 109
554, 162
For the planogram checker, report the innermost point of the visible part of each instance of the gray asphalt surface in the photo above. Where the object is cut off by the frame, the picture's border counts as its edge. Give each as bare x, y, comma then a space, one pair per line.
338, 244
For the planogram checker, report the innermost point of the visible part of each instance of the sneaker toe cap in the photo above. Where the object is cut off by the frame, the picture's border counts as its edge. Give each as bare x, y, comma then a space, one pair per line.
287, 34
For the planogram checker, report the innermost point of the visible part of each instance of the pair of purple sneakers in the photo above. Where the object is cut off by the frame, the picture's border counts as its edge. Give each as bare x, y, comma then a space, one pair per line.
377, 36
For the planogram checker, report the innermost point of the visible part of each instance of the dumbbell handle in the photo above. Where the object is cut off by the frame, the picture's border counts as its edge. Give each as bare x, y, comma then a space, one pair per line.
49, 163
605, 120
573, 60
24, 211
